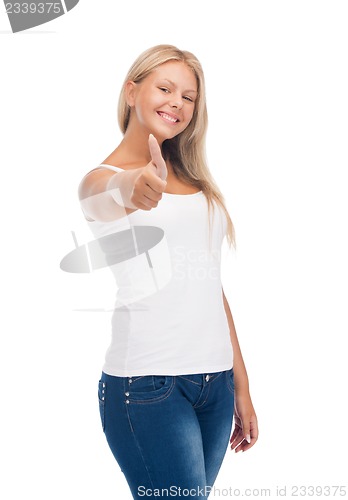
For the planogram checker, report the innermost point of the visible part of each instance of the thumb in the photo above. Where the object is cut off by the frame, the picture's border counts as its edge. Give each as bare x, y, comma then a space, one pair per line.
156, 157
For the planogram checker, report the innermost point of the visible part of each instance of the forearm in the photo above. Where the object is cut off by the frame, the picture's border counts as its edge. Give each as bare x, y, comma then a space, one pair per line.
105, 195
241, 380
121, 186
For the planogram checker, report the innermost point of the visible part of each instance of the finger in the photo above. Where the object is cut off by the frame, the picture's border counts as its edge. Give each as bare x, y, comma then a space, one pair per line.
240, 443
238, 446
156, 157
254, 434
244, 445
245, 437
235, 433
236, 439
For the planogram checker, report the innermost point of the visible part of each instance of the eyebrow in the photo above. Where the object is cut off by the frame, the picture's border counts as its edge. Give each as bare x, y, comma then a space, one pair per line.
172, 83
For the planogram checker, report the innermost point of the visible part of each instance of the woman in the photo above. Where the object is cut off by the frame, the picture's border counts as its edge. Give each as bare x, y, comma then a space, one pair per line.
174, 375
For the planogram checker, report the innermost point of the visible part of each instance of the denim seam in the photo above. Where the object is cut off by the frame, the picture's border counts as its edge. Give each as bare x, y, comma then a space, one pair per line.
102, 403
206, 397
136, 441
229, 385
153, 400
215, 377
188, 380
211, 379
136, 378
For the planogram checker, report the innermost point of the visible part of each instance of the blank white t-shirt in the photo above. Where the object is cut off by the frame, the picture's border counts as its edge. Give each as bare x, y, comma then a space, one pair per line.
169, 317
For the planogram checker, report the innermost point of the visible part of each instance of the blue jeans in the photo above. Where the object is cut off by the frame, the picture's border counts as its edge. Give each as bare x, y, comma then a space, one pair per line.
168, 431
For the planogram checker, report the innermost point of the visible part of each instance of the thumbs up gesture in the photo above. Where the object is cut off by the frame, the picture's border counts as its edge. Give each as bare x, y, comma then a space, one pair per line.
151, 181
157, 159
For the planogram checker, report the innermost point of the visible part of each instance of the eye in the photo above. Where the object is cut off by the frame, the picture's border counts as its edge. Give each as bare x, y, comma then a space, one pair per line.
164, 89
188, 98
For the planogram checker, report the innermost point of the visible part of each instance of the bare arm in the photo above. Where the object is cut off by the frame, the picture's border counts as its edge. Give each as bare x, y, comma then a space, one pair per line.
105, 195
97, 192
239, 370
246, 431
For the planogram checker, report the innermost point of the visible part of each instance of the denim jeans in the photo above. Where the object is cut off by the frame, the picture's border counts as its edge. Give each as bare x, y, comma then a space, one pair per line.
168, 432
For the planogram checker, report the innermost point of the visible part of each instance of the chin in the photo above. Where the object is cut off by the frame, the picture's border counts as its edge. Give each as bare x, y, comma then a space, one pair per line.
162, 136
165, 135
165, 132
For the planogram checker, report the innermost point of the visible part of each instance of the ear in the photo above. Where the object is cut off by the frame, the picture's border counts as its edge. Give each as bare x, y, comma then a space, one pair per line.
130, 92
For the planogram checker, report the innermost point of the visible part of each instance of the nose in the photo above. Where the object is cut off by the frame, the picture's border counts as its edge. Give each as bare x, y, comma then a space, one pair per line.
176, 101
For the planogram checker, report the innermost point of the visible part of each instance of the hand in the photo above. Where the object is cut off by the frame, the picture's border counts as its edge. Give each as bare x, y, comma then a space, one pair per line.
245, 423
151, 182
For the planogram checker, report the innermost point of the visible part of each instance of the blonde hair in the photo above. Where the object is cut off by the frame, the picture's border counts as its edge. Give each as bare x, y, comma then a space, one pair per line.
186, 151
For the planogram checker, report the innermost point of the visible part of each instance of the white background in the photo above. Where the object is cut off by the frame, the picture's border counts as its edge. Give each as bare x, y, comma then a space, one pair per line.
276, 75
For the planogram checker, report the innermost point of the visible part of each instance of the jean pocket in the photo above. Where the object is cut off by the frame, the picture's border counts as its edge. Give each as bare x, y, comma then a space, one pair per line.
230, 380
150, 388
101, 399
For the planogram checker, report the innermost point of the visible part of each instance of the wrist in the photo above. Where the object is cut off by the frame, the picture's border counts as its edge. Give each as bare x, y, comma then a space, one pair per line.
120, 187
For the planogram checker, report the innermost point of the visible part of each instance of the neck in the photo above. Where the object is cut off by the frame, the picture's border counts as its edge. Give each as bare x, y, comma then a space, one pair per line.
136, 141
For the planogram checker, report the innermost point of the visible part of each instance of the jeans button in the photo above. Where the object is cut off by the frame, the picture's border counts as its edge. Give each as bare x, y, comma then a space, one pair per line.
127, 393
207, 378
127, 401
130, 380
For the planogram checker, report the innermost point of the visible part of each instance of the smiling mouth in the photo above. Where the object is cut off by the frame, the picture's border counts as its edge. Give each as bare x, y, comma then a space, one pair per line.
167, 118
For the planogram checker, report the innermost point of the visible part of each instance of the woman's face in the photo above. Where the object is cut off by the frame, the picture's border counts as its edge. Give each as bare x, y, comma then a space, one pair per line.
163, 103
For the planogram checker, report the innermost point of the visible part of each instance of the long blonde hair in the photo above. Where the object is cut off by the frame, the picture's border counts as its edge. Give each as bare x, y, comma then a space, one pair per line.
186, 151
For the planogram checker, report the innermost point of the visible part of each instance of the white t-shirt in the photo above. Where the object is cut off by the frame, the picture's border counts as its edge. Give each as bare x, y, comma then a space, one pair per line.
169, 317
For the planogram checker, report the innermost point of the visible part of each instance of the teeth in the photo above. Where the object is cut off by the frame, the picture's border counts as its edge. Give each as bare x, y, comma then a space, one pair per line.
167, 117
